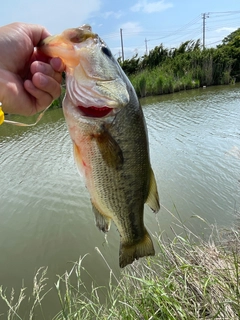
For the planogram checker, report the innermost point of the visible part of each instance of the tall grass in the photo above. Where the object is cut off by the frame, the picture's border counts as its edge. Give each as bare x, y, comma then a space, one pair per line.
186, 67
159, 81
188, 279
14, 301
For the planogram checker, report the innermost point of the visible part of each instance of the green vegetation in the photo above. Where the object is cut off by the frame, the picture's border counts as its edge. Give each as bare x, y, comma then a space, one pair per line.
189, 66
186, 67
58, 102
188, 279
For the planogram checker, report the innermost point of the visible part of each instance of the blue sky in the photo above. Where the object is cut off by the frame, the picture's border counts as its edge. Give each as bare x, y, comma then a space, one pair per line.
144, 23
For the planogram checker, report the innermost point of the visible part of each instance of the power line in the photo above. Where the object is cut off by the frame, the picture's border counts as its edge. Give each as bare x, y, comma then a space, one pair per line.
209, 44
225, 12
192, 29
183, 28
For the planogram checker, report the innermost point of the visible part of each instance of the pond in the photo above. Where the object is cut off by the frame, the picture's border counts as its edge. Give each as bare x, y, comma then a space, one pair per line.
45, 211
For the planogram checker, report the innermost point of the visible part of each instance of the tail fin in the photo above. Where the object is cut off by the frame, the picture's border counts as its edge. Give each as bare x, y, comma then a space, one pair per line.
128, 253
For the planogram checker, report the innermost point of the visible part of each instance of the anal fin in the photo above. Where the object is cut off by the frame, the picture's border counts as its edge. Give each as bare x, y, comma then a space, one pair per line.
102, 222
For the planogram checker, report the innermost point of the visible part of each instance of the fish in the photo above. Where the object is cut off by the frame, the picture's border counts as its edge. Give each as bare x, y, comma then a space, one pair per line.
110, 140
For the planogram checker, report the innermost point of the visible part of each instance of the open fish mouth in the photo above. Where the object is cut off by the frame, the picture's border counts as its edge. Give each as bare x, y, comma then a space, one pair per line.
95, 112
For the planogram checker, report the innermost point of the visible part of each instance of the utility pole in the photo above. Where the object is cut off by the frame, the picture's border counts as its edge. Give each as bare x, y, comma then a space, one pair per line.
204, 17
146, 46
122, 44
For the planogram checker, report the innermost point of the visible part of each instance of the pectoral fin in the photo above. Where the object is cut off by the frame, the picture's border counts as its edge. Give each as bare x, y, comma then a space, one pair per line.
153, 198
102, 222
109, 148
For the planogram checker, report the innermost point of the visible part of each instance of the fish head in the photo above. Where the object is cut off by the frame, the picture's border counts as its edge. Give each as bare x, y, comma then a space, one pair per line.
96, 84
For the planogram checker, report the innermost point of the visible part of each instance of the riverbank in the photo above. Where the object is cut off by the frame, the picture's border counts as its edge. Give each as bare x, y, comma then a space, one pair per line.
154, 83
158, 82
188, 279
194, 144
188, 66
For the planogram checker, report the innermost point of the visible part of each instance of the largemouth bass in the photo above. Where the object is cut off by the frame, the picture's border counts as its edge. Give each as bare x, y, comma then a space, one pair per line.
108, 130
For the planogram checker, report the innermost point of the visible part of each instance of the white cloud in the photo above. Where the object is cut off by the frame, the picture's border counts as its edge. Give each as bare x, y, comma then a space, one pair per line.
215, 37
55, 15
116, 15
131, 27
225, 29
150, 7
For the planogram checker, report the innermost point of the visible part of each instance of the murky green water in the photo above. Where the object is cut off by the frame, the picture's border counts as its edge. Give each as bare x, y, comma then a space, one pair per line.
45, 212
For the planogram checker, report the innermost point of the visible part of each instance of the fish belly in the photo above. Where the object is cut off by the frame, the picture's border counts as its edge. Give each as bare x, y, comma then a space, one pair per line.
115, 162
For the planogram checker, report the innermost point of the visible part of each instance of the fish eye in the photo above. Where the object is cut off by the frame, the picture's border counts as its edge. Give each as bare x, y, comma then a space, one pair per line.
75, 39
106, 51
78, 35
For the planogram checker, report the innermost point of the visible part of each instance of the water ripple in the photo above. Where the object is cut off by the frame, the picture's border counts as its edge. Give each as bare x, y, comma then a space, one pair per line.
45, 212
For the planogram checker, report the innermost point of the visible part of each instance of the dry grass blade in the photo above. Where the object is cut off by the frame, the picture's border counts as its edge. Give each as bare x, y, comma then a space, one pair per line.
189, 278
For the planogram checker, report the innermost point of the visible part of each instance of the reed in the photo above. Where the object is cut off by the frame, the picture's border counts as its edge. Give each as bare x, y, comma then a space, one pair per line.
186, 67
159, 81
188, 279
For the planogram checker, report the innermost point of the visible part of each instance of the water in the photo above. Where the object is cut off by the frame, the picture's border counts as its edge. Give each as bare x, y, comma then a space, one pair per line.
45, 212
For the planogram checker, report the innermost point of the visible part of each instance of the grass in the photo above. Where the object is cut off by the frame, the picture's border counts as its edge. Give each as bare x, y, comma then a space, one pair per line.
189, 279
159, 81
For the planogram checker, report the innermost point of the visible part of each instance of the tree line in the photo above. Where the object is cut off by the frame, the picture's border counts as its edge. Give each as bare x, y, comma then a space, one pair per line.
188, 66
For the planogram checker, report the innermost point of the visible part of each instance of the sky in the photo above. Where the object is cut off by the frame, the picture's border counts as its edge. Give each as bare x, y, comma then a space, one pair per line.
144, 23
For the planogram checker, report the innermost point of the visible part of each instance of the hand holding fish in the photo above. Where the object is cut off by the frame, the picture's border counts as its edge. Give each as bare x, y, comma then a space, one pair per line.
29, 80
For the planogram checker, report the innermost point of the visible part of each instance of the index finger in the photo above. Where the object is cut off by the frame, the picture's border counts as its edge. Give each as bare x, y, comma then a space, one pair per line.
35, 32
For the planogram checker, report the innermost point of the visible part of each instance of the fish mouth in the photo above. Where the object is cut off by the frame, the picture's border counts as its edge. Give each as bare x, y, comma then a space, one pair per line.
95, 112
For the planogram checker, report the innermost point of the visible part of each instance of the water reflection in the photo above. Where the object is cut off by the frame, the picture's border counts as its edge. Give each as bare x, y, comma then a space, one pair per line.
45, 212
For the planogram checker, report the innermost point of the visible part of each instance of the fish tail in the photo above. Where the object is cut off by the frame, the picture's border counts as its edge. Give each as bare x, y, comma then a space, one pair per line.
129, 252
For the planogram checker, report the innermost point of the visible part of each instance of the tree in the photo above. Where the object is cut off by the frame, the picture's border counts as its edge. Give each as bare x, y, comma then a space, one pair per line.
130, 66
230, 47
155, 57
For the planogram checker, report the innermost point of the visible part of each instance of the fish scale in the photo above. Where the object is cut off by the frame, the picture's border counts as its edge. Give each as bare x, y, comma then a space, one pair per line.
110, 146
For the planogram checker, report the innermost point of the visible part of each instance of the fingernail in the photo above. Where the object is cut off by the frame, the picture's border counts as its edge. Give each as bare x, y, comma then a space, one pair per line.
41, 67
57, 64
43, 80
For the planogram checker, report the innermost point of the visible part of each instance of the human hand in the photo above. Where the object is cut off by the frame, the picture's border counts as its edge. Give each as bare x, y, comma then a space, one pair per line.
29, 81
